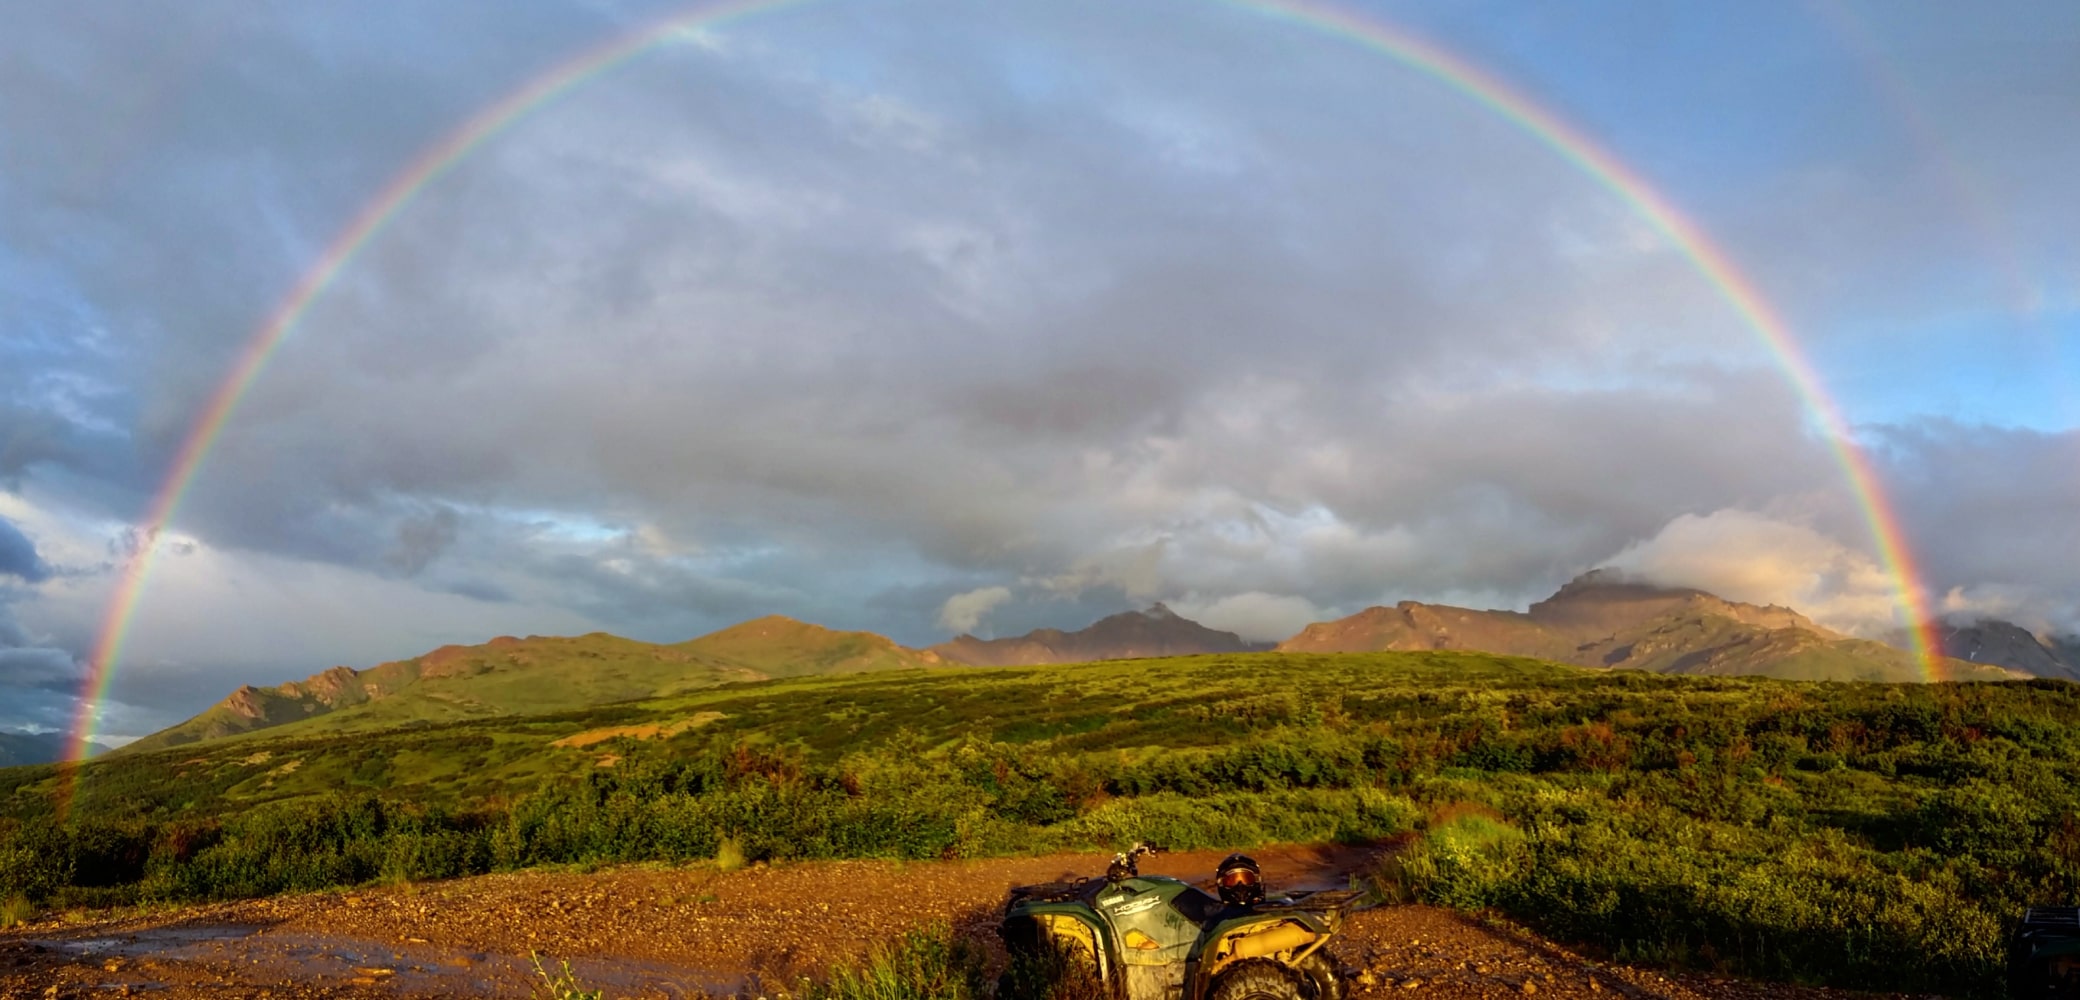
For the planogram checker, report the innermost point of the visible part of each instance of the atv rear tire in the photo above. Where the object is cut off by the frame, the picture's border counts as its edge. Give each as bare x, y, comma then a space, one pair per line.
1258, 980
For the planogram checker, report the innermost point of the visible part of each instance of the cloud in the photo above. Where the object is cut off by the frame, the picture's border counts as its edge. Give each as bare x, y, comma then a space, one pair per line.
1990, 510
831, 315
44, 669
1255, 615
18, 556
420, 539
964, 612
1746, 556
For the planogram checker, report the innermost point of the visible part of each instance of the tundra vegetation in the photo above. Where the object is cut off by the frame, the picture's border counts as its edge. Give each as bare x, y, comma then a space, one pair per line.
1866, 835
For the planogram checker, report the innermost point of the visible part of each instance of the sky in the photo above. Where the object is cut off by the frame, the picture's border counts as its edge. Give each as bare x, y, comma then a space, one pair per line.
925, 317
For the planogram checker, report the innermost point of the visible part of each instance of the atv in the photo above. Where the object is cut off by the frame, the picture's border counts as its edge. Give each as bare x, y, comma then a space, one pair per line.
1150, 937
2044, 954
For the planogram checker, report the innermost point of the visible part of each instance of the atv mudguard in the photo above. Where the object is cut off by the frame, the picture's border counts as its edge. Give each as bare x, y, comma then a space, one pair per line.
1285, 937
1067, 925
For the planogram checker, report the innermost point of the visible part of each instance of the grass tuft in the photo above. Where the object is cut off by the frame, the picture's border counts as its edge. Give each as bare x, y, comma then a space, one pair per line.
729, 855
560, 985
16, 910
928, 964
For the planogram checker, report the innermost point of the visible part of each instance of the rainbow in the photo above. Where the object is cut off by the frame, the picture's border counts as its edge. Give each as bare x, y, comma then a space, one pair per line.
1483, 88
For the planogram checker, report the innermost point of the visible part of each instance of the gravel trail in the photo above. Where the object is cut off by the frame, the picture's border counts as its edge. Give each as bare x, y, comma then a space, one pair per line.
695, 931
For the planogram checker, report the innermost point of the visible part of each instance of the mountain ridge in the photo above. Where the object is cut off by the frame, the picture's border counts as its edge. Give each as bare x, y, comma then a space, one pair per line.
1991, 640
1607, 620
1153, 631
18, 748
513, 676
1600, 619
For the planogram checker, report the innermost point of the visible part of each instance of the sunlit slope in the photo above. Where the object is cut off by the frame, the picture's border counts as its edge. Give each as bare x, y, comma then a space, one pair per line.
1122, 710
776, 646
534, 676
1132, 706
1601, 621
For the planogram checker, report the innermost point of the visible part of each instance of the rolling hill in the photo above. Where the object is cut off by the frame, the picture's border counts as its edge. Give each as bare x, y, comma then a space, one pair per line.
1157, 631
1597, 620
536, 675
1602, 620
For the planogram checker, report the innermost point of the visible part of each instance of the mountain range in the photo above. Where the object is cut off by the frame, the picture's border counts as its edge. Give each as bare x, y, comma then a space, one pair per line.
1603, 620
1599, 620
1157, 631
538, 675
1990, 640
37, 748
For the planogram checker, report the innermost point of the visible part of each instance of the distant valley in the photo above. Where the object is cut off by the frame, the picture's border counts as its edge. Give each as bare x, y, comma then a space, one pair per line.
37, 748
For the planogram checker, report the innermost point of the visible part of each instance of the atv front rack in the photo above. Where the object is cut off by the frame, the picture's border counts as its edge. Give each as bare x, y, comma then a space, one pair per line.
1049, 892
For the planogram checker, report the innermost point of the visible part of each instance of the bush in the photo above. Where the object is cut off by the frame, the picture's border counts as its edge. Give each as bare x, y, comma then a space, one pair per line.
928, 964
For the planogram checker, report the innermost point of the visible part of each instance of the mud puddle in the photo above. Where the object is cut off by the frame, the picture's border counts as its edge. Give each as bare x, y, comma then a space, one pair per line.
137, 960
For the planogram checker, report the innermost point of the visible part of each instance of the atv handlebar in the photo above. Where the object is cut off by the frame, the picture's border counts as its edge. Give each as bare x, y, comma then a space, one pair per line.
1128, 863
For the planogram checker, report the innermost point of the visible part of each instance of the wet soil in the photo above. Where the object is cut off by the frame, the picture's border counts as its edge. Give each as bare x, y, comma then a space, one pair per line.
684, 932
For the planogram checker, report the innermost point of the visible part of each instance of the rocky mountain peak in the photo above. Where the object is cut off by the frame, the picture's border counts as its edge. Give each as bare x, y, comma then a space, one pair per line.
1152, 631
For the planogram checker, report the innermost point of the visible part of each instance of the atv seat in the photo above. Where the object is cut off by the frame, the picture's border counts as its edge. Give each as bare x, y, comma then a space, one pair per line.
1198, 906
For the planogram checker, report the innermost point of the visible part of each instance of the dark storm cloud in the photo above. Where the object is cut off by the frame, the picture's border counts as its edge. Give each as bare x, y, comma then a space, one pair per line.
38, 684
18, 556
420, 539
41, 669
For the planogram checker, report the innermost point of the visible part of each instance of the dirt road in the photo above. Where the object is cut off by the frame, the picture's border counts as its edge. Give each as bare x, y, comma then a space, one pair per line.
649, 932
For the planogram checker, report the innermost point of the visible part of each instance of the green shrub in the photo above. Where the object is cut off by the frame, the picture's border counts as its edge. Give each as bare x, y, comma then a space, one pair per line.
1850, 834
928, 964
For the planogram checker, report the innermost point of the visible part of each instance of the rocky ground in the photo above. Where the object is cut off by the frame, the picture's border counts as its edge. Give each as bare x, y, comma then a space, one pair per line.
679, 932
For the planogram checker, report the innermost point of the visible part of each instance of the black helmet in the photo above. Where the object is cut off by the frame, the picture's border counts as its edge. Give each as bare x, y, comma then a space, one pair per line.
1241, 882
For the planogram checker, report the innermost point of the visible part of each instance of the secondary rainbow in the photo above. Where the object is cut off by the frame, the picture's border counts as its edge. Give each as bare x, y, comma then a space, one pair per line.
1420, 55
1975, 207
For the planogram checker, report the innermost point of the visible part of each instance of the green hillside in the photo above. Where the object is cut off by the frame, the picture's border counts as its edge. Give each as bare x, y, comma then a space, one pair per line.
777, 646
1868, 835
532, 676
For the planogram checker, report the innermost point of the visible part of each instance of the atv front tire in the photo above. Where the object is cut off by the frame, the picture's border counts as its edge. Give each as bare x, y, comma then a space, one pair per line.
1258, 980
1321, 971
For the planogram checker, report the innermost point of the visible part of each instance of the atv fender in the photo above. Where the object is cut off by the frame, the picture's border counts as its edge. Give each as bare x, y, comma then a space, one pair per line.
1285, 942
1065, 927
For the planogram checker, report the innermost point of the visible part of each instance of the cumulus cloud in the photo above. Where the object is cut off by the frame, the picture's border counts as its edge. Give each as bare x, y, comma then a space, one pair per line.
18, 556
964, 612
2029, 607
1991, 513
1254, 615
1747, 556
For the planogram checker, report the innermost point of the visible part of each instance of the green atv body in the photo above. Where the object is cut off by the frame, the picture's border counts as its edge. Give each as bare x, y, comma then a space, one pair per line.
1149, 937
